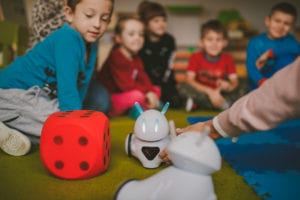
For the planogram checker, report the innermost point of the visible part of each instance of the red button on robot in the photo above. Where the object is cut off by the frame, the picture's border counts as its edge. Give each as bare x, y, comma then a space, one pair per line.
76, 144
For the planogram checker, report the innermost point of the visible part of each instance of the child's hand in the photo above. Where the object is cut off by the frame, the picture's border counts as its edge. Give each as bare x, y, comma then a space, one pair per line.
195, 127
152, 100
164, 156
262, 60
216, 98
199, 127
224, 85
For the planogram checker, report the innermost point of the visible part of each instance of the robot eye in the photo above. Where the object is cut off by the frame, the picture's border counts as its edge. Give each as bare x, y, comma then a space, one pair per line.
144, 126
156, 125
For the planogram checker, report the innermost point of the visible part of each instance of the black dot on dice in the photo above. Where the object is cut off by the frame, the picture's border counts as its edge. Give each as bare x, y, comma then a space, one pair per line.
59, 164
58, 140
84, 166
83, 141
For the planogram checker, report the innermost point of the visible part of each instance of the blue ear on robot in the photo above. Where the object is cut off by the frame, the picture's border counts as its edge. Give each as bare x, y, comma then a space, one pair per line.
150, 136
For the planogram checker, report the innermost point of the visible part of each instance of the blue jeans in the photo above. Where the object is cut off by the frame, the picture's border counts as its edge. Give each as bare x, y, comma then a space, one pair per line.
97, 98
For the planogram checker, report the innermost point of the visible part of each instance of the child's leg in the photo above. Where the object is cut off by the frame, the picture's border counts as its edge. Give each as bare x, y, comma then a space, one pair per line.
26, 110
170, 94
97, 97
121, 102
186, 91
234, 95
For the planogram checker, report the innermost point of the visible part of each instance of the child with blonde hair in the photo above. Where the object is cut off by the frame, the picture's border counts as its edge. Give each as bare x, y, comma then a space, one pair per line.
123, 72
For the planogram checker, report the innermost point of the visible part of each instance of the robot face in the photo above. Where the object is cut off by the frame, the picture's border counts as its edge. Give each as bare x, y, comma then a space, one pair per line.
151, 125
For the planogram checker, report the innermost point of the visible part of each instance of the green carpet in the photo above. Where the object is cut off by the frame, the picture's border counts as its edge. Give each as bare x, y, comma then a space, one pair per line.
26, 178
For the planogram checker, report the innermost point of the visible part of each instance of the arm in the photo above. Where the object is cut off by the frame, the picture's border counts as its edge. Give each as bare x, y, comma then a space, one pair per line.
261, 109
127, 74
195, 84
214, 95
289, 46
262, 60
232, 76
143, 82
253, 54
68, 59
250, 113
266, 107
229, 85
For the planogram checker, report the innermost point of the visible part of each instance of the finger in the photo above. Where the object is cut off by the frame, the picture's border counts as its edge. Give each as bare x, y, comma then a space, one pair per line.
162, 154
180, 130
166, 159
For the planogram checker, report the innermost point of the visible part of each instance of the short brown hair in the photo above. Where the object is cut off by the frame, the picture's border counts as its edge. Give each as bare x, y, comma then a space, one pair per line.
285, 8
148, 10
214, 25
73, 3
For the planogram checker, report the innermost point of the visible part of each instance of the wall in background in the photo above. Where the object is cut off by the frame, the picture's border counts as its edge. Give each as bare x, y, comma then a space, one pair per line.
184, 27
14, 10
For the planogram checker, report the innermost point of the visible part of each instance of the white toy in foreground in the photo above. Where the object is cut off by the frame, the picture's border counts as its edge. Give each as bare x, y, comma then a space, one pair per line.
150, 136
195, 157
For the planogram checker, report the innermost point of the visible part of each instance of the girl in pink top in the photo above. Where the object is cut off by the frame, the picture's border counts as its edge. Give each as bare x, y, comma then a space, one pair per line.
123, 72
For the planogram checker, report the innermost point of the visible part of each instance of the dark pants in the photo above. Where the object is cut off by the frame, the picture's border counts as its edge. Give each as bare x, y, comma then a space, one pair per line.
97, 98
203, 101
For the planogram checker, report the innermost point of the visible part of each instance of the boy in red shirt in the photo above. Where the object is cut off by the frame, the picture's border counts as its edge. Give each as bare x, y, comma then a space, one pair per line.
211, 74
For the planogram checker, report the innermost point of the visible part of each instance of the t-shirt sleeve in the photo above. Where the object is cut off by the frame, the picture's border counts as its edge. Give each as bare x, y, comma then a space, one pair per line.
68, 56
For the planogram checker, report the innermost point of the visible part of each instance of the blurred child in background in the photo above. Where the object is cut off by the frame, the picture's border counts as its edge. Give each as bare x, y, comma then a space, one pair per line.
52, 76
158, 51
212, 79
123, 72
271, 51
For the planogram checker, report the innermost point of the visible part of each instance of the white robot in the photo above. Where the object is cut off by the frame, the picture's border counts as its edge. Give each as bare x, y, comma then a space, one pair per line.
195, 157
150, 136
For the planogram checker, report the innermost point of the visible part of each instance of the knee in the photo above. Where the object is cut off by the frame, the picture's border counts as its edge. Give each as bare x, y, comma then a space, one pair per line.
97, 98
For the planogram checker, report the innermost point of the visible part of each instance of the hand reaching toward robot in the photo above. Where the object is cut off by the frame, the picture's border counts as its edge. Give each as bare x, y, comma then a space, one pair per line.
195, 157
198, 127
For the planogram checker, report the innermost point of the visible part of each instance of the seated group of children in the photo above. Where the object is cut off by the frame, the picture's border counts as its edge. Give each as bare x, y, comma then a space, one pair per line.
58, 73
212, 80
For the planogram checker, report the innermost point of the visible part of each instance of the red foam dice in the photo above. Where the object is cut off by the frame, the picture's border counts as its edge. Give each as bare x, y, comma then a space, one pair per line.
76, 144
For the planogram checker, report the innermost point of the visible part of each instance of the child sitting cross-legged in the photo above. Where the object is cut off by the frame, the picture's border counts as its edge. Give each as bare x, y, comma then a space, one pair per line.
212, 80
